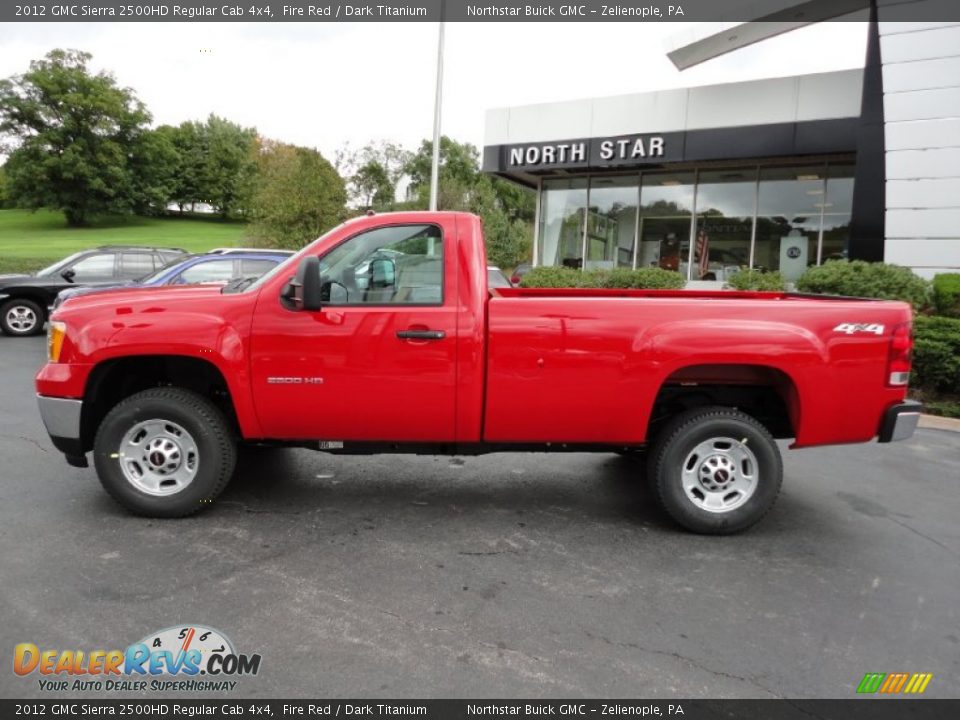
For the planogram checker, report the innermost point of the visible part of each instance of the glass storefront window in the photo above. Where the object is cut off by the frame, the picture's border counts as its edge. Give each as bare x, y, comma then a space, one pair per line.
612, 221
836, 237
789, 206
782, 218
726, 205
563, 204
837, 207
666, 206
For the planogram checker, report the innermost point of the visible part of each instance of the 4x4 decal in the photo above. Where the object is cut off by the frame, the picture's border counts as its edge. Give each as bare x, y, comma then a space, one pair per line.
851, 328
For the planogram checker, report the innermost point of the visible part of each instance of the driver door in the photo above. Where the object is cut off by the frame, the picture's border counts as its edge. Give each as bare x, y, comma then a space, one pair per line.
378, 361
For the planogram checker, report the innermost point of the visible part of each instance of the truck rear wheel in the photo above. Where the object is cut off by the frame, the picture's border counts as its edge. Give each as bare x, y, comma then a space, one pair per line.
165, 452
21, 318
716, 470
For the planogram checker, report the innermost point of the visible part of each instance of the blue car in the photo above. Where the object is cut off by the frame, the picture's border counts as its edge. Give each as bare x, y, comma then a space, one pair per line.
216, 266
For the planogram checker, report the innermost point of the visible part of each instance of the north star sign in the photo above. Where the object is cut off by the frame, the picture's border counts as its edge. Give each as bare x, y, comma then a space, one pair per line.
636, 148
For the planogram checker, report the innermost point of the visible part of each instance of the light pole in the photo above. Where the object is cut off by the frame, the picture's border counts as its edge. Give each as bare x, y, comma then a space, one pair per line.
437, 103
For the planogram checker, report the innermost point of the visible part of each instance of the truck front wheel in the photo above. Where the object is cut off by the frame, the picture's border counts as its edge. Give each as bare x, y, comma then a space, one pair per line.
164, 452
716, 470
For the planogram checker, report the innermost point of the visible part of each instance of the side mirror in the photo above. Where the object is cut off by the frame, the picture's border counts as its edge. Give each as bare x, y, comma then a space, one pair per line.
383, 273
303, 291
68, 275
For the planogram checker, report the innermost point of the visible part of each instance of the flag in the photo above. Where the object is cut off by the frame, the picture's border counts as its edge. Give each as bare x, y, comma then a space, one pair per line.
703, 252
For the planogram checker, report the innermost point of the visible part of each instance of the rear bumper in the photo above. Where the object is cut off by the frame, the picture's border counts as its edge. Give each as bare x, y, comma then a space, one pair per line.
900, 421
61, 417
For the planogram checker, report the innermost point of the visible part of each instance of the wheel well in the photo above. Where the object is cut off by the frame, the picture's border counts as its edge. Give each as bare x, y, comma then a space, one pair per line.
765, 393
114, 380
32, 297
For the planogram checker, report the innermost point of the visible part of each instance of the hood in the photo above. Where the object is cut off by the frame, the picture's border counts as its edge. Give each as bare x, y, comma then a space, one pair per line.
14, 279
137, 298
72, 292
21, 280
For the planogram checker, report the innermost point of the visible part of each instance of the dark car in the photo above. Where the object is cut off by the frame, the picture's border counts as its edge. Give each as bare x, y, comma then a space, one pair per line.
216, 266
25, 299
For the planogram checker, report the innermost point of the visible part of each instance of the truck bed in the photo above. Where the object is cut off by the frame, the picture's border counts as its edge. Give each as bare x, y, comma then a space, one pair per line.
589, 364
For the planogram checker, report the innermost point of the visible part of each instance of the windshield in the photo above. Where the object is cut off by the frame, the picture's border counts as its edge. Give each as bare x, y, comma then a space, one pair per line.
58, 266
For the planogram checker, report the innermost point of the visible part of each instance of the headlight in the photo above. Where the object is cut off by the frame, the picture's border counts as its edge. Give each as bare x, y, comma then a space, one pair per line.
56, 331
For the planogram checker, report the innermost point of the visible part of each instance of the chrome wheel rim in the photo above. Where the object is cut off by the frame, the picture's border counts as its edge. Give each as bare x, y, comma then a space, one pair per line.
159, 457
21, 318
720, 474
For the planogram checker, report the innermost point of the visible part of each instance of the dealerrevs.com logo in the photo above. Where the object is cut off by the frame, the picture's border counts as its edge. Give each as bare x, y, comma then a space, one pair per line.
180, 658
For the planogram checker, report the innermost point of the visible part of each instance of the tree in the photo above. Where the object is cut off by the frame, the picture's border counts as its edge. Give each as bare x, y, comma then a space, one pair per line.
4, 189
214, 164
227, 163
509, 239
373, 173
295, 196
71, 136
459, 170
154, 170
372, 185
506, 209
188, 153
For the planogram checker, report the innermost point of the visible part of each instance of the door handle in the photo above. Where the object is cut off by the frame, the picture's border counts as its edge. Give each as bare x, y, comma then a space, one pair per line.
421, 334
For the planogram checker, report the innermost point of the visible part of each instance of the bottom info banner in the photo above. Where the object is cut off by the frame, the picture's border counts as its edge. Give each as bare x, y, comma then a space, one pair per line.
453, 709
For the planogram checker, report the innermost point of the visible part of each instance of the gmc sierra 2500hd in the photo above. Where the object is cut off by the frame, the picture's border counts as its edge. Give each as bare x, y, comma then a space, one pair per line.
382, 336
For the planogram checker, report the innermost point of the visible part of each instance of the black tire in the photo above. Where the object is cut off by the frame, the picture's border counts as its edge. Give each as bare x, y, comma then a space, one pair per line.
24, 309
753, 454
208, 429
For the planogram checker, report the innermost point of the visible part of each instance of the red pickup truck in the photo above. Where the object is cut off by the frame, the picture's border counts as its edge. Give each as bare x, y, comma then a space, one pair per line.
383, 337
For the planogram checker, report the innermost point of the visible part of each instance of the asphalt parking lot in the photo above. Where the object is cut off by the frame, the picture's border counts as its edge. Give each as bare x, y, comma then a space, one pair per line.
502, 576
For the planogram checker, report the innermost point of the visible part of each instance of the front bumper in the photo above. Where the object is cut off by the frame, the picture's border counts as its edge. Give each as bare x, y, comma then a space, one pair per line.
900, 421
61, 417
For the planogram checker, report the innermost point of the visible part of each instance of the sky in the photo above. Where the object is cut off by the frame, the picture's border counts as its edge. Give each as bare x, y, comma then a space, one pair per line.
330, 85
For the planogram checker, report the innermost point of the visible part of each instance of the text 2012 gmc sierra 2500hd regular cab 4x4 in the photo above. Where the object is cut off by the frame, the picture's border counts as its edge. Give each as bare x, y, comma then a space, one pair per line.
382, 336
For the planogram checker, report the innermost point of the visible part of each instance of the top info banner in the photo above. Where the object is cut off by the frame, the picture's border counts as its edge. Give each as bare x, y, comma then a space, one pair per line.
789, 13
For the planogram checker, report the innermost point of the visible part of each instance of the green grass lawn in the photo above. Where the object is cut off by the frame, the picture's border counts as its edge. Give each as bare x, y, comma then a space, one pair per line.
29, 241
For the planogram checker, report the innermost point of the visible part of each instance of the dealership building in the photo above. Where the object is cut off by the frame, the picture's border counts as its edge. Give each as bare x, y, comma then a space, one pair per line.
775, 174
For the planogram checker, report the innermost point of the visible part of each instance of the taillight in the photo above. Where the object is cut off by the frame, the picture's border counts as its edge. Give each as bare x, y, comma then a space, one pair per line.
898, 362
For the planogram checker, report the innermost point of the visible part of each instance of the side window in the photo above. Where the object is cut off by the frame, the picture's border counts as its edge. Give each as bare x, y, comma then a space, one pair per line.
396, 265
213, 271
167, 256
135, 265
256, 268
93, 268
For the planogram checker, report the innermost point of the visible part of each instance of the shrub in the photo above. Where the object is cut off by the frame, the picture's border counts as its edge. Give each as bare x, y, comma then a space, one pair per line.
641, 279
946, 294
757, 280
858, 278
552, 277
936, 354
946, 408
622, 278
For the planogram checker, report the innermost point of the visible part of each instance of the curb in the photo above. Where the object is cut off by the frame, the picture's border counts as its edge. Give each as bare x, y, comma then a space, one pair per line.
935, 422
